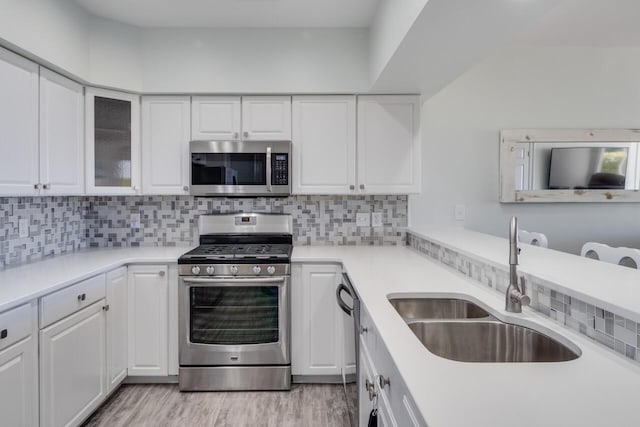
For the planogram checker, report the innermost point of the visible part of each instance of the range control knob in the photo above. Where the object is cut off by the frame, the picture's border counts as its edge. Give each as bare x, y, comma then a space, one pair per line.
234, 269
271, 269
257, 269
195, 270
210, 270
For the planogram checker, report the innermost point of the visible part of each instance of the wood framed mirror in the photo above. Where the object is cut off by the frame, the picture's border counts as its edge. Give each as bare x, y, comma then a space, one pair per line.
569, 165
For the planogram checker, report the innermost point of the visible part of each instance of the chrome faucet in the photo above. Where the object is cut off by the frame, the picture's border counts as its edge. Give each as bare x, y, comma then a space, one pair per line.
516, 295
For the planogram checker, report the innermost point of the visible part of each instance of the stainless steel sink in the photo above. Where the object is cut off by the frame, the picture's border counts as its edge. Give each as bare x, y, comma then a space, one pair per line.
437, 308
489, 341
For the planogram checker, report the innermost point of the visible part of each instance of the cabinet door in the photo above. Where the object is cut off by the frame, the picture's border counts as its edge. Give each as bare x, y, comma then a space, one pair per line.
324, 144
389, 144
166, 131
117, 329
18, 125
215, 117
61, 135
317, 340
266, 118
112, 142
148, 320
72, 367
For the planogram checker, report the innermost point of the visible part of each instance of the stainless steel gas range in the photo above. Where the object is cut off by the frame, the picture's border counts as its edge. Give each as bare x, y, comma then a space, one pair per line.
235, 304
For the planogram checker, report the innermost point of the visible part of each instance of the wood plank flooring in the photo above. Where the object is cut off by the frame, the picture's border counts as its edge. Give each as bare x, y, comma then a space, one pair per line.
306, 405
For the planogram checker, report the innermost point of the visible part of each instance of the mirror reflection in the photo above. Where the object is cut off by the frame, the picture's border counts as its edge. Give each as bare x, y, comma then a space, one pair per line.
577, 166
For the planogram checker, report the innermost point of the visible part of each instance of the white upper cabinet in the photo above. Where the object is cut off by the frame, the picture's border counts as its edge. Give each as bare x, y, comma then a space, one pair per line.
112, 142
166, 131
215, 118
61, 135
18, 125
266, 118
324, 144
389, 144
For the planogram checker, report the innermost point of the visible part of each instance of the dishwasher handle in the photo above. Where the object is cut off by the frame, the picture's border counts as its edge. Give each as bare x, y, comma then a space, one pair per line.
343, 305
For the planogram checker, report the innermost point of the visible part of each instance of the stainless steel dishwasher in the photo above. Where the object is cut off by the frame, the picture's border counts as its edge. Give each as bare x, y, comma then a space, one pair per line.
353, 310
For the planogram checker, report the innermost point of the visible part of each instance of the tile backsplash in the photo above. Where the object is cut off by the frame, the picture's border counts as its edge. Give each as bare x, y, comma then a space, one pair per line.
608, 329
63, 224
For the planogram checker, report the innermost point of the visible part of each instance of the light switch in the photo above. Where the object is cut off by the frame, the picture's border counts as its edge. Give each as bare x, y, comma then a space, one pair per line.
363, 219
134, 220
461, 212
23, 227
376, 219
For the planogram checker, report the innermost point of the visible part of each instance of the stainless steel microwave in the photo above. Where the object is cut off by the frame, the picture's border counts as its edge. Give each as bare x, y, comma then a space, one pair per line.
240, 168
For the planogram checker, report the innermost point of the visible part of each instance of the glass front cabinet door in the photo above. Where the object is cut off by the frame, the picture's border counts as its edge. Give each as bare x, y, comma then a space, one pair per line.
113, 142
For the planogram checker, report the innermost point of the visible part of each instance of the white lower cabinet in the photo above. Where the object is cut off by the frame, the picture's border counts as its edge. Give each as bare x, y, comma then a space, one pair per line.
394, 403
72, 367
148, 320
117, 328
19, 366
319, 344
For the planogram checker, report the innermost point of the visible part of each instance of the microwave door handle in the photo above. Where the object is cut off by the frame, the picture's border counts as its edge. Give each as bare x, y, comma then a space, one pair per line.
269, 169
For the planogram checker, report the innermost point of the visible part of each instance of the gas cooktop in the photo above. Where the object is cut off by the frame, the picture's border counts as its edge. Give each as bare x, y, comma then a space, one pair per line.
238, 253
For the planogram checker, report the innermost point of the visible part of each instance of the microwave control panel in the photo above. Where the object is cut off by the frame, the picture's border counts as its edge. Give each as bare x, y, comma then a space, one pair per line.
280, 169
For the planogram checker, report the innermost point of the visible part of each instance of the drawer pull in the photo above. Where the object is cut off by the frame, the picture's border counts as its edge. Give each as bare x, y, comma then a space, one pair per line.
3, 334
363, 330
384, 381
371, 389
161, 274
82, 297
105, 307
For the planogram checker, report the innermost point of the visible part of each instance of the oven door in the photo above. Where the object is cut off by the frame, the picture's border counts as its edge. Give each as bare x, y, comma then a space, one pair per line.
238, 168
234, 321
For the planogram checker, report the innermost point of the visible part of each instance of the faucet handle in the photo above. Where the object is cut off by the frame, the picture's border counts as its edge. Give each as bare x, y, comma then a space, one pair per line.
524, 298
523, 285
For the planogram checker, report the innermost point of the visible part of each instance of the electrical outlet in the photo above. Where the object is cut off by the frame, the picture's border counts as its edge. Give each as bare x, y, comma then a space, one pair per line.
363, 219
23, 227
376, 219
460, 212
134, 220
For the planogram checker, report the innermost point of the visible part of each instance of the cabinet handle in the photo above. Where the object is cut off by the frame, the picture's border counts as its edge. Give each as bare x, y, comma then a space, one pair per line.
185, 188
370, 388
135, 188
82, 297
236, 135
362, 186
105, 307
3, 334
46, 186
363, 330
161, 273
352, 187
245, 134
37, 186
384, 381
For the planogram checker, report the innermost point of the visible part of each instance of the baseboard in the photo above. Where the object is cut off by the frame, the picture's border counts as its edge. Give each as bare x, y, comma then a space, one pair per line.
321, 379
160, 379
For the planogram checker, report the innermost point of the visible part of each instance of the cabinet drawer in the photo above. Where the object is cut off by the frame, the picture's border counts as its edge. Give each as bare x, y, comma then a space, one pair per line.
18, 324
69, 300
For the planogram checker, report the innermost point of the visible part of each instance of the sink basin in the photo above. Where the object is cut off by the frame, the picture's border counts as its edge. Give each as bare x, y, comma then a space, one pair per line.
489, 341
437, 308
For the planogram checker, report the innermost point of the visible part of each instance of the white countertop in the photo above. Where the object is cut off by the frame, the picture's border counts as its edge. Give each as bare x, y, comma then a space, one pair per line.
599, 388
608, 286
28, 281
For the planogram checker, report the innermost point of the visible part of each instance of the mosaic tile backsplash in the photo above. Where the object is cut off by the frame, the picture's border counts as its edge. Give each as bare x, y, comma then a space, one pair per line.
63, 224
606, 328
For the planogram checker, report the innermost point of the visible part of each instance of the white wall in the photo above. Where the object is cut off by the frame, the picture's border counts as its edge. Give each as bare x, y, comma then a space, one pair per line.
54, 31
391, 23
255, 60
552, 87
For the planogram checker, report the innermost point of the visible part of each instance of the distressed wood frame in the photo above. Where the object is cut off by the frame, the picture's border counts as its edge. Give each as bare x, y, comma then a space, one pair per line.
510, 137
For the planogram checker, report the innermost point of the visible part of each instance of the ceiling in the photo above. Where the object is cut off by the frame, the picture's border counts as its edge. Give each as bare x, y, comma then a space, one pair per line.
601, 23
236, 13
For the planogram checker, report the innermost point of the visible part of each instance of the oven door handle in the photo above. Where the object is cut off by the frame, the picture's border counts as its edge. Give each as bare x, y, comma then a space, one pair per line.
232, 281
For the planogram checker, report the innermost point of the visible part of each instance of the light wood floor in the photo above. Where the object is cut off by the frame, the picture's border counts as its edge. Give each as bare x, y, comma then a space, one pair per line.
306, 405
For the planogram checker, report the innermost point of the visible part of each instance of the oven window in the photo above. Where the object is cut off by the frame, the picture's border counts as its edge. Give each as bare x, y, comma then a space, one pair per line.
234, 315
228, 169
